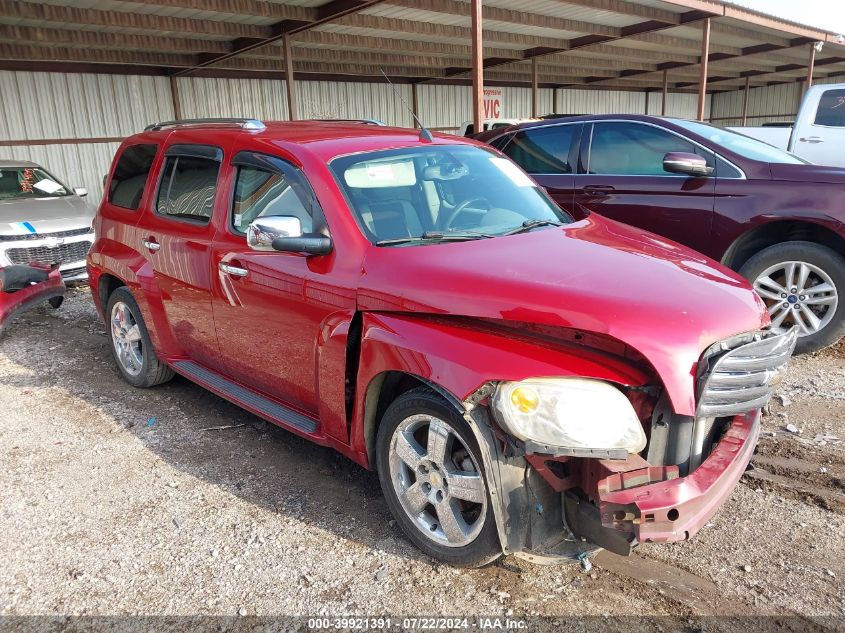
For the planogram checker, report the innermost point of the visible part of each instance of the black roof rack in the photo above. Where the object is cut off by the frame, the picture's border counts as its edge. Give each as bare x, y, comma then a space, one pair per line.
362, 121
247, 124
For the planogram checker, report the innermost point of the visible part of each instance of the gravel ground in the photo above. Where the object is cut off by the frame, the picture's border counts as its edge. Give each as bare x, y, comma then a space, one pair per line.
120, 501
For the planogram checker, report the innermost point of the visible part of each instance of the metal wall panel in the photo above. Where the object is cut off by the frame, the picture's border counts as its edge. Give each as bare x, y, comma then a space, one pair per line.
351, 100
573, 101
59, 105
683, 105
251, 98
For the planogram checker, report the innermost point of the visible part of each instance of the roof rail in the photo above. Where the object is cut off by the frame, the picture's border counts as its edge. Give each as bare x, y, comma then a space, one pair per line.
362, 121
247, 124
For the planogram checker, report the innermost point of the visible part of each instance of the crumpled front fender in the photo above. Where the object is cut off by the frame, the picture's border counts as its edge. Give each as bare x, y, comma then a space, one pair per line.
15, 302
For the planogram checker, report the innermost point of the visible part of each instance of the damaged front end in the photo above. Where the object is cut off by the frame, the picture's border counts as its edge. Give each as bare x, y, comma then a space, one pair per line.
25, 287
559, 502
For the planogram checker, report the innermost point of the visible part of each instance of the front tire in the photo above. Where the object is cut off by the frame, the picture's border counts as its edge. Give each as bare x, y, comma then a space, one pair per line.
432, 477
802, 284
130, 342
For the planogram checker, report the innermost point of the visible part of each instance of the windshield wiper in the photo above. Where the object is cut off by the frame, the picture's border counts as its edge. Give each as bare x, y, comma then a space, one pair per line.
532, 224
437, 236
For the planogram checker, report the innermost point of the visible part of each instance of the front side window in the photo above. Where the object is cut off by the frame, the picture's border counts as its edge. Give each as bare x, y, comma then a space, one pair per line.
745, 146
633, 149
831, 112
187, 189
543, 150
130, 175
29, 182
260, 193
433, 193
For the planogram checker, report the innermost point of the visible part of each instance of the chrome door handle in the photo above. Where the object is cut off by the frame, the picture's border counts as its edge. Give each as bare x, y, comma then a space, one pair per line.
812, 139
153, 246
235, 271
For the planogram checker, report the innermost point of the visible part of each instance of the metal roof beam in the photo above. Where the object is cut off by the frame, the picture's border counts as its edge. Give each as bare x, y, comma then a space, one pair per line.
510, 16
159, 24
99, 39
323, 13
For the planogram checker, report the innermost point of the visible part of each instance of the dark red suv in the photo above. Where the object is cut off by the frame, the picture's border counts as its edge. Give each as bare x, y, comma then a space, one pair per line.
523, 383
768, 214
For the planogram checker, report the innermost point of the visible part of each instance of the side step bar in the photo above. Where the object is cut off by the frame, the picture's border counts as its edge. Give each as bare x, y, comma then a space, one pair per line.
241, 395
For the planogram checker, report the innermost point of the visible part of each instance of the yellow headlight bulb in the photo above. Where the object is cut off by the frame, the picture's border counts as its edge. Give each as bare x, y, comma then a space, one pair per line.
525, 399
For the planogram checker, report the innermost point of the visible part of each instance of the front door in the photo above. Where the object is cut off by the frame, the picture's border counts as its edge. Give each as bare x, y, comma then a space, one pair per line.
271, 309
176, 235
623, 178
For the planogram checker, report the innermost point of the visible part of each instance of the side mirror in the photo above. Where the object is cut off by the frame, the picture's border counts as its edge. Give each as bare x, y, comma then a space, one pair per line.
284, 233
80, 191
686, 163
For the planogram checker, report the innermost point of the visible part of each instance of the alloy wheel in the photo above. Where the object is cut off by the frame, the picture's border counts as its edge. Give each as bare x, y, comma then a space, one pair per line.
797, 293
126, 338
437, 480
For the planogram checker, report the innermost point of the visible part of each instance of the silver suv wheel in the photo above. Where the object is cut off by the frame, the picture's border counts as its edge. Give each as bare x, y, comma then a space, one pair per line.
437, 480
126, 338
797, 293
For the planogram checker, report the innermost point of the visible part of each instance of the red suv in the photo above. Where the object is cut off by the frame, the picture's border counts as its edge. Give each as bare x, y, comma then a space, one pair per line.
523, 383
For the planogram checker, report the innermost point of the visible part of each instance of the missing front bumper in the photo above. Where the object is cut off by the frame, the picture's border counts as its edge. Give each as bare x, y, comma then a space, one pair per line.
670, 509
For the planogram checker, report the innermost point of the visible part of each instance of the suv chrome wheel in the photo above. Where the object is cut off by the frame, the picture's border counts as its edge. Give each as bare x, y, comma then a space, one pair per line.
437, 480
126, 338
797, 293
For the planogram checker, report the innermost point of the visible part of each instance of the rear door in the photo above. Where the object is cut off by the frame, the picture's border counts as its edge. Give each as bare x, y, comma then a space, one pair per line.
819, 138
175, 236
548, 153
622, 177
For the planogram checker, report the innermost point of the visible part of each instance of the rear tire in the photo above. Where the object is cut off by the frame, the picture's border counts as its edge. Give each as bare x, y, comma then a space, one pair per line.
820, 314
440, 500
130, 342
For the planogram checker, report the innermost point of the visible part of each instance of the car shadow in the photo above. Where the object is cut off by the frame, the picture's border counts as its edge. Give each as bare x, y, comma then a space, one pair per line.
201, 434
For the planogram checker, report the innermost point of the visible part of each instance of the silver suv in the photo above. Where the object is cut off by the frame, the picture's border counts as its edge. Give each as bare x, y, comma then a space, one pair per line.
42, 220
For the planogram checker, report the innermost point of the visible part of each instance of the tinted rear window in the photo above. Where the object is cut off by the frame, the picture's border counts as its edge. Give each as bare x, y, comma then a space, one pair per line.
831, 110
188, 185
130, 175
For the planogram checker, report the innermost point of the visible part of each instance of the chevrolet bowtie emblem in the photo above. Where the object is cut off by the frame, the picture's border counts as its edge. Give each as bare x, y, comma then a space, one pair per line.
53, 242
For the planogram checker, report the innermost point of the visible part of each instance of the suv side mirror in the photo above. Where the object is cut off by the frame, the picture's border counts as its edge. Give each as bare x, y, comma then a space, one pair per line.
80, 191
686, 163
284, 233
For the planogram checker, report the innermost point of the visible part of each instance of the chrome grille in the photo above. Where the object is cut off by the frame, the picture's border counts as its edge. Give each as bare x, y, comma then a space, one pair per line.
738, 375
40, 236
61, 254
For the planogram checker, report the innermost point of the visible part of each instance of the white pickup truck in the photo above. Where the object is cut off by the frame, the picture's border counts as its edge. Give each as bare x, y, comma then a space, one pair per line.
818, 134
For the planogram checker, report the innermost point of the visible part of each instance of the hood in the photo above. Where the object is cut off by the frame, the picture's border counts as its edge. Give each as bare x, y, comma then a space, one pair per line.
666, 301
45, 215
807, 173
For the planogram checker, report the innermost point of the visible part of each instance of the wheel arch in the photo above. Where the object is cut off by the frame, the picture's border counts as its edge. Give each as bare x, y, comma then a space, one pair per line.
106, 285
776, 232
386, 387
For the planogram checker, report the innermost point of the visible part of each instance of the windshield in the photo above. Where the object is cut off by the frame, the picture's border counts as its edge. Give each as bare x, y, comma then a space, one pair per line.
740, 144
28, 182
426, 194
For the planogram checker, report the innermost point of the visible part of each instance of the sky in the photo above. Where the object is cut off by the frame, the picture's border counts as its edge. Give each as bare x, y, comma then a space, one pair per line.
824, 14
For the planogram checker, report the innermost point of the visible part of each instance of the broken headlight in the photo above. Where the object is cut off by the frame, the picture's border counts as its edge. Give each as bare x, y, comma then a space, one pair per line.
570, 413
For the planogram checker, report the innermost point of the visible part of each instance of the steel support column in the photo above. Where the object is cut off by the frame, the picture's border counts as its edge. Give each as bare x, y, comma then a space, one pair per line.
745, 101
811, 64
289, 80
705, 54
174, 95
477, 67
534, 89
665, 93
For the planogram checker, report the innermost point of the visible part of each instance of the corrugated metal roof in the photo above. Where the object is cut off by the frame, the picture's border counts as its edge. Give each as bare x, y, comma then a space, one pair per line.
644, 34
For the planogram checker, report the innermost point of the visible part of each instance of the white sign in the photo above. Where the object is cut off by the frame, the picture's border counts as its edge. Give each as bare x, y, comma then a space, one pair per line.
493, 98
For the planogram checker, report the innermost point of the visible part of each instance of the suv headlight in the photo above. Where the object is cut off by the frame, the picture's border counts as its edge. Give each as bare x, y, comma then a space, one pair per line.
569, 412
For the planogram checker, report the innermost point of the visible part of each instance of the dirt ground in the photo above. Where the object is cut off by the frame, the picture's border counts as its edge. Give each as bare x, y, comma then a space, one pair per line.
122, 501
